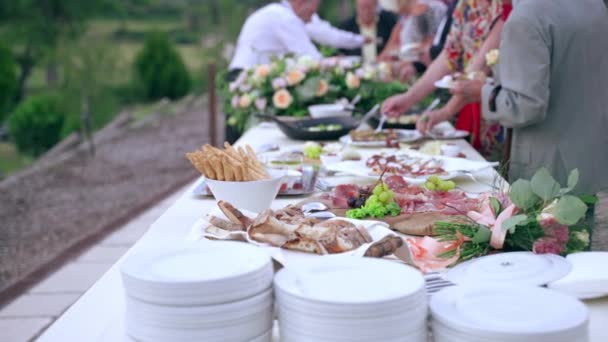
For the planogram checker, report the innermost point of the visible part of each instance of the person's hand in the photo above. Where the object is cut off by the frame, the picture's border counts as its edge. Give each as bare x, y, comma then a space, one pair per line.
395, 105
406, 71
427, 121
468, 90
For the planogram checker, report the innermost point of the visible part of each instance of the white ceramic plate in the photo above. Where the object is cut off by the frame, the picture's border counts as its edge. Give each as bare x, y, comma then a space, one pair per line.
502, 311
351, 281
444, 84
209, 267
516, 268
453, 166
449, 134
405, 136
589, 276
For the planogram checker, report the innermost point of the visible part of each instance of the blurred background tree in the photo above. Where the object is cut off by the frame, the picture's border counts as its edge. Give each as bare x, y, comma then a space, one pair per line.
8, 81
159, 70
85, 51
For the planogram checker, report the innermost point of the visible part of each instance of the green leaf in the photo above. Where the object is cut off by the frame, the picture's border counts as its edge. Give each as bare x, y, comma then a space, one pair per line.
544, 185
569, 210
483, 235
573, 178
511, 222
522, 195
589, 199
572, 182
496, 206
308, 89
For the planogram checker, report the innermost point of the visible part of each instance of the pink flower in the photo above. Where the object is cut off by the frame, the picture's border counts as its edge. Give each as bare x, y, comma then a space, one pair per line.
279, 83
547, 245
486, 217
553, 228
235, 101
260, 103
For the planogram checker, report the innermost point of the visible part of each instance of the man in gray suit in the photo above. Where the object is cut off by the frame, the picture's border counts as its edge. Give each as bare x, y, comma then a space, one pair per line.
552, 89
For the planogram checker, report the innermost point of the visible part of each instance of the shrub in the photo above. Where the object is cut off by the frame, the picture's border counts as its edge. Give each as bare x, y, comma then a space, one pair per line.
159, 69
8, 81
36, 124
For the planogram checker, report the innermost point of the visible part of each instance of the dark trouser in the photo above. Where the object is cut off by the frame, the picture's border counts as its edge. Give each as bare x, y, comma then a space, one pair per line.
231, 133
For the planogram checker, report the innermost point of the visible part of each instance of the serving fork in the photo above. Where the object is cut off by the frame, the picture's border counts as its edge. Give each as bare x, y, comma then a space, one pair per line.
435, 282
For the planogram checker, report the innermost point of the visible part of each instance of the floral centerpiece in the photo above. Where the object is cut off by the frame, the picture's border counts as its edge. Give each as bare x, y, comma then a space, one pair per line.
287, 86
535, 215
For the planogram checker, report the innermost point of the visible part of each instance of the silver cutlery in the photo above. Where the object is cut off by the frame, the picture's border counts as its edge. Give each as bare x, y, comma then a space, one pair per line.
367, 116
381, 123
432, 106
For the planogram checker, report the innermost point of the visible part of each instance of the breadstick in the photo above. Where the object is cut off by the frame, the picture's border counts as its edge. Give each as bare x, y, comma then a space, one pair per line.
209, 171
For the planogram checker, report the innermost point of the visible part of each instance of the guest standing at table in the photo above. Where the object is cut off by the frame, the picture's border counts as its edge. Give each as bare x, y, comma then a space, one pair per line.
558, 109
275, 29
372, 22
322, 32
474, 22
418, 23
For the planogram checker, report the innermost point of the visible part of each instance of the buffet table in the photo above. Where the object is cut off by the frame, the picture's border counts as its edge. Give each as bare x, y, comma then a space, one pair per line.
99, 314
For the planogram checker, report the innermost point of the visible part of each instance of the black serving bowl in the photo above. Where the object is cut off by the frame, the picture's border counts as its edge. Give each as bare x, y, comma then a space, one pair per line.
297, 129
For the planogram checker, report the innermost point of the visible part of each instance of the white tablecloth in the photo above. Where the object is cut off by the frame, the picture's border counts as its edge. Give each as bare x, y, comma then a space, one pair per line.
98, 315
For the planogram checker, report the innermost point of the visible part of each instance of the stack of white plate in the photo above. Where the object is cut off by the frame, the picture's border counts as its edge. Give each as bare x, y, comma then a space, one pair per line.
589, 276
515, 268
351, 299
505, 314
216, 291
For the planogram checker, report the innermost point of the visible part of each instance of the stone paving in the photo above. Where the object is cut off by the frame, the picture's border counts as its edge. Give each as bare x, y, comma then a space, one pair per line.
28, 316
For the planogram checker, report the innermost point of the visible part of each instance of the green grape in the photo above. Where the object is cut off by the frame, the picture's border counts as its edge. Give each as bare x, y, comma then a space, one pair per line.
385, 187
312, 150
373, 199
449, 185
431, 186
377, 190
384, 197
434, 179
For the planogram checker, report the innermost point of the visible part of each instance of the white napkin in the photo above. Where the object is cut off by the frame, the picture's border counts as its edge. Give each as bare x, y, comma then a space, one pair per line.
588, 278
203, 230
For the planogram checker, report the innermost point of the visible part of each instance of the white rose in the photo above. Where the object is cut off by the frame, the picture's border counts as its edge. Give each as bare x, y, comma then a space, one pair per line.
352, 81
492, 57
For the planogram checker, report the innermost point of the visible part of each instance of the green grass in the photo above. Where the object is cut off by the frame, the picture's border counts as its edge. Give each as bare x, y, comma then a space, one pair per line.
10, 159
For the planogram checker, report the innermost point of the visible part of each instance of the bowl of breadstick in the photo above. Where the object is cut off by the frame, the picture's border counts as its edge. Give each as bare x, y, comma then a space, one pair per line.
235, 175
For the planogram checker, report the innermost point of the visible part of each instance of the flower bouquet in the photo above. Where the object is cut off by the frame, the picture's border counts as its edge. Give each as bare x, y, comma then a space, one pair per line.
287, 86
535, 215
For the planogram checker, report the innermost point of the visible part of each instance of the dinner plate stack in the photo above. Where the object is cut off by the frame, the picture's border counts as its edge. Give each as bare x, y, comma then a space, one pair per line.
514, 268
351, 299
215, 291
507, 314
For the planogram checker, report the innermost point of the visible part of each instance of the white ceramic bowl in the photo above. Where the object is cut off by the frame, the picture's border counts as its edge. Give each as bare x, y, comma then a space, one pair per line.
450, 150
327, 110
255, 196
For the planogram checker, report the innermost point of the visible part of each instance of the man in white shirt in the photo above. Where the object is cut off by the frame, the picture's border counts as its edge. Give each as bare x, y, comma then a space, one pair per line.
273, 30
324, 33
